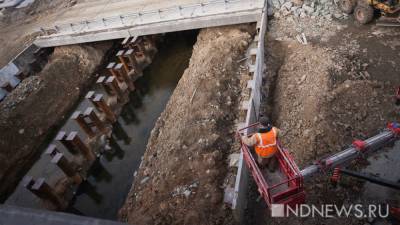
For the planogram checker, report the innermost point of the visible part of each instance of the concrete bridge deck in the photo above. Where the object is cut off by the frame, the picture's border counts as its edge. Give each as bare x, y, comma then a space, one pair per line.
93, 20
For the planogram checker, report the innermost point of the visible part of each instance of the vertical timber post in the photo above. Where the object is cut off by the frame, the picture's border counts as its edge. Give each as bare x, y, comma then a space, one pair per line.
42, 190
91, 114
76, 141
62, 162
61, 138
80, 119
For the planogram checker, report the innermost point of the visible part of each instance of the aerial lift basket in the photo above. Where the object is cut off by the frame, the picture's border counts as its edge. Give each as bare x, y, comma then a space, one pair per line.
287, 187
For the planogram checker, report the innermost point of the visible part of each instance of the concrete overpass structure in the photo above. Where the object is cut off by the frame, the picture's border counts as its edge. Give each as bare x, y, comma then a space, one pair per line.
100, 20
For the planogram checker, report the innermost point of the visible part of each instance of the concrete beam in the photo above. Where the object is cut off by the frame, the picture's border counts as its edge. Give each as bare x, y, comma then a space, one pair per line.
156, 28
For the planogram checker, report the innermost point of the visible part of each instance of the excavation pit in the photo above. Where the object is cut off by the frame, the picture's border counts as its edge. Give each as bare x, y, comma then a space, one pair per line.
110, 176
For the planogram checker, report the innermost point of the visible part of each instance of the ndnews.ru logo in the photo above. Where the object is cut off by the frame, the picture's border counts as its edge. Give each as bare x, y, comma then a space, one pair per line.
330, 211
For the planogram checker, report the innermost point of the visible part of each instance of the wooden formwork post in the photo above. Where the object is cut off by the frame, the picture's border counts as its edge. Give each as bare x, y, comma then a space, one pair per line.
133, 41
121, 73
102, 106
83, 124
125, 42
120, 55
61, 136
63, 163
91, 114
112, 84
110, 68
28, 182
130, 54
51, 150
76, 141
44, 191
102, 81
90, 95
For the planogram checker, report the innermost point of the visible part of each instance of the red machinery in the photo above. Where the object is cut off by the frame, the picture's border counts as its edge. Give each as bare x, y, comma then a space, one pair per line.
287, 188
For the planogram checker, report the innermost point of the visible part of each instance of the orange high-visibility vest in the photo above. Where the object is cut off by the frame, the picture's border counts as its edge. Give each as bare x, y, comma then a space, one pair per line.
266, 144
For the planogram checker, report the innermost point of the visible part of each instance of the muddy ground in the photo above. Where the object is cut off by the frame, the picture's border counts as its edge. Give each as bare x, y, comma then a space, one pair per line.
31, 113
181, 177
323, 95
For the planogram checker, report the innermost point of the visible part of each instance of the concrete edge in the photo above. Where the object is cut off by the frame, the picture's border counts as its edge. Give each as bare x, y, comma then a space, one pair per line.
18, 215
239, 202
165, 27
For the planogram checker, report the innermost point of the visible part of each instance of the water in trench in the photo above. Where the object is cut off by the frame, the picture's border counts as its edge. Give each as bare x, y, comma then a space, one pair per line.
106, 189
111, 177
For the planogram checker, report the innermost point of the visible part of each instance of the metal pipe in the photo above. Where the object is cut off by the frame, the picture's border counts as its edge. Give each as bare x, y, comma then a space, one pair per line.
343, 157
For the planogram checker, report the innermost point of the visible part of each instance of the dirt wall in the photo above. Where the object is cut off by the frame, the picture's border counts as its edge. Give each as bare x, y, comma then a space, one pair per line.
181, 176
36, 107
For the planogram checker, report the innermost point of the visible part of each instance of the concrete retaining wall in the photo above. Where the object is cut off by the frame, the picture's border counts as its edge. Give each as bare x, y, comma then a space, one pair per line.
253, 110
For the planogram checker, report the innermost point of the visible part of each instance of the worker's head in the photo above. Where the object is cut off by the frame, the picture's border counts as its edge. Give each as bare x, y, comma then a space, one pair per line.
265, 123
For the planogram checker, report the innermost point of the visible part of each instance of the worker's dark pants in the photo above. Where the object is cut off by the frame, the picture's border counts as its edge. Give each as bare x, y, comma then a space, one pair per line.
269, 162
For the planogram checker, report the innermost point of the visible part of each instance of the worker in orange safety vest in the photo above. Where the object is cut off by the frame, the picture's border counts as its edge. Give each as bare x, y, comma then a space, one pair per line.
265, 144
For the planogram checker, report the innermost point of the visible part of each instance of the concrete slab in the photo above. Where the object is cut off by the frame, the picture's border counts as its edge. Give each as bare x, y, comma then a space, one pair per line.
96, 9
92, 21
158, 28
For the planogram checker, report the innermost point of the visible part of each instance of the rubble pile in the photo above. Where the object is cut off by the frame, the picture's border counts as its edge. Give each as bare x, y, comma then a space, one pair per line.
326, 9
298, 20
301, 20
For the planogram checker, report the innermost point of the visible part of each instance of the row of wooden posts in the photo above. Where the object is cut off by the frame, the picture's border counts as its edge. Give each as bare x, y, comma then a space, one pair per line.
96, 122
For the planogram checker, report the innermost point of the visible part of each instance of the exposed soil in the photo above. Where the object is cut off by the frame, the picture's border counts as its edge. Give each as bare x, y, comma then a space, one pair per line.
181, 176
325, 94
37, 106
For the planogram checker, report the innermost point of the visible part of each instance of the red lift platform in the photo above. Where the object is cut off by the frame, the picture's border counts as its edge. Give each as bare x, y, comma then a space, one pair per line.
286, 185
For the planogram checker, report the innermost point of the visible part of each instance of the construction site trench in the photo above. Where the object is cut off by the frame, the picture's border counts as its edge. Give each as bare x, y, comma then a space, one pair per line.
110, 177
